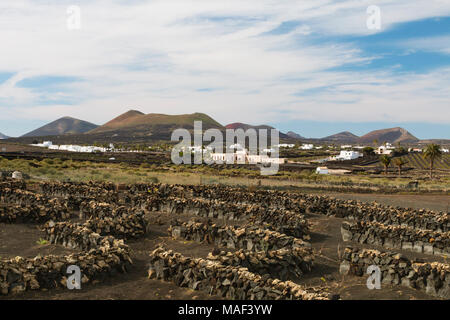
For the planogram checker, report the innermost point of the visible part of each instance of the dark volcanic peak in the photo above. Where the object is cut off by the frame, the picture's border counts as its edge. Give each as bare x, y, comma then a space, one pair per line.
391, 135
294, 135
245, 127
65, 125
344, 136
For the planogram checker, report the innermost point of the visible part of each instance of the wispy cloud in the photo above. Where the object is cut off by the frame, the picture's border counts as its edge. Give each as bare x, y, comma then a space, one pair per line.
236, 60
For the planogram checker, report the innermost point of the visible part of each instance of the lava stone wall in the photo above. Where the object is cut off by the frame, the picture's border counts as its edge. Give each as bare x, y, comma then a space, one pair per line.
432, 278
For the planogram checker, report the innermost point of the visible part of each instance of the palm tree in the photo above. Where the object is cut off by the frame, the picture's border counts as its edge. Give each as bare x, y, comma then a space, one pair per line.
386, 161
400, 162
432, 152
375, 142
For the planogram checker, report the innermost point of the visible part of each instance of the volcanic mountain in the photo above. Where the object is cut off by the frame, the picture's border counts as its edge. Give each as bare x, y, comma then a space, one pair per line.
136, 123
294, 135
344, 136
66, 125
392, 135
2, 136
245, 127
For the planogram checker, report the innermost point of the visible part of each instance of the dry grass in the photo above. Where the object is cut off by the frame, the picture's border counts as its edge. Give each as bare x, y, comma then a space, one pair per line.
56, 169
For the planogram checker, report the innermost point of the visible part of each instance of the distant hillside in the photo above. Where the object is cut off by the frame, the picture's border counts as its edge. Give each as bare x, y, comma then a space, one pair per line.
392, 135
294, 135
245, 127
119, 122
2, 136
442, 142
136, 124
66, 125
344, 136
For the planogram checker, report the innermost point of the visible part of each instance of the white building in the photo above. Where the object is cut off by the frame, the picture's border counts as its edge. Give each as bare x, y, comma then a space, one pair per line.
236, 146
242, 157
307, 146
346, 146
195, 149
383, 150
322, 170
347, 155
223, 157
285, 145
445, 150
267, 159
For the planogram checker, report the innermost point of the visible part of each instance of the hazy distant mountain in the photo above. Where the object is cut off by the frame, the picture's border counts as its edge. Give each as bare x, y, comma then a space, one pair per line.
245, 127
442, 142
66, 125
344, 136
294, 135
2, 136
392, 135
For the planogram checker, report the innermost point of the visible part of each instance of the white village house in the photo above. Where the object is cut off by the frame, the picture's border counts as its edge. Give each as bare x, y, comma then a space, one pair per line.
346, 155
70, 147
285, 145
242, 157
307, 146
322, 170
383, 150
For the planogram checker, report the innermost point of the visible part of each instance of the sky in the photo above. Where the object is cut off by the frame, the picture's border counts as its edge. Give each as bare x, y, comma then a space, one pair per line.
315, 67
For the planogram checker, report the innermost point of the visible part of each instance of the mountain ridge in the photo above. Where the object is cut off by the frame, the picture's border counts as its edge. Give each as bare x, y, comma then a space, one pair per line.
344, 136
62, 126
391, 135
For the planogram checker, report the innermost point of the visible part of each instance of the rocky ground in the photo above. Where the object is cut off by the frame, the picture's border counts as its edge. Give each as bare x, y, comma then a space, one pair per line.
325, 239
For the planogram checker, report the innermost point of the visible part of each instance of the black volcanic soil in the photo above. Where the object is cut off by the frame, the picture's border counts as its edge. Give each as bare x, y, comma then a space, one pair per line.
431, 202
22, 240
325, 238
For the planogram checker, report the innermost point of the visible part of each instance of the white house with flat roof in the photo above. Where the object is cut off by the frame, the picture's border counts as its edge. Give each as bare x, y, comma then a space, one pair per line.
383, 150
242, 157
306, 146
347, 155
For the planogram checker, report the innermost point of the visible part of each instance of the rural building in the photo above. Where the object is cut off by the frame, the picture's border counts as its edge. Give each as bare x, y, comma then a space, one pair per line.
223, 157
307, 146
236, 146
383, 150
242, 156
322, 170
285, 145
347, 155
17, 175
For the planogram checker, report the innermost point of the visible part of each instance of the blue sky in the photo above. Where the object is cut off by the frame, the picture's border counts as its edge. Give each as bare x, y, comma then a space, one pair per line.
313, 67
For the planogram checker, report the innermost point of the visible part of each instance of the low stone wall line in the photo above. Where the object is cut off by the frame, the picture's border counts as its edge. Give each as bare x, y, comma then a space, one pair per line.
432, 278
